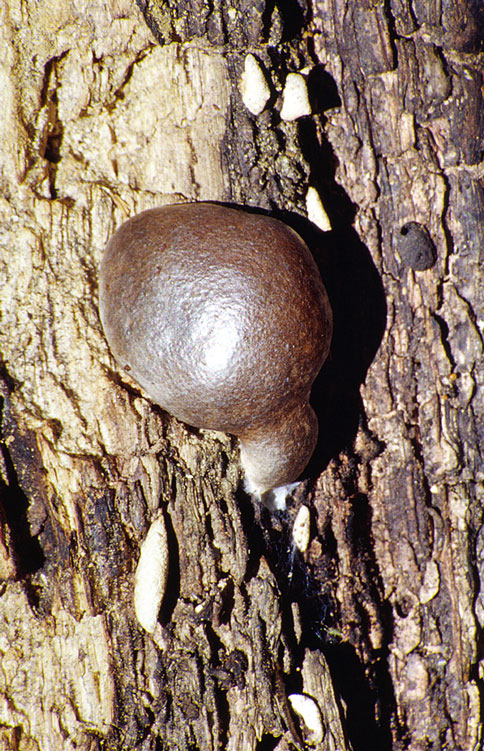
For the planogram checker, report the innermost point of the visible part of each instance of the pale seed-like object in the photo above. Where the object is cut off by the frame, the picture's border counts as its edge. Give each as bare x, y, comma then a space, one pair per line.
295, 98
301, 529
254, 88
309, 712
151, 575
316, 211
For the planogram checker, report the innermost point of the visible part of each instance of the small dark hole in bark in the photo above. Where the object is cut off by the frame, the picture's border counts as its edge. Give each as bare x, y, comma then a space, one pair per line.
403, 608
415, 247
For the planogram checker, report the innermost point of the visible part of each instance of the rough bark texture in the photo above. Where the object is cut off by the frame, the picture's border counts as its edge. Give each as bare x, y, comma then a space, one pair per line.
381, 623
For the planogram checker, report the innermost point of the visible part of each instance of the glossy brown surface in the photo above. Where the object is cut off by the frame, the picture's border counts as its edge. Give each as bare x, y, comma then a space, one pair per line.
219, 314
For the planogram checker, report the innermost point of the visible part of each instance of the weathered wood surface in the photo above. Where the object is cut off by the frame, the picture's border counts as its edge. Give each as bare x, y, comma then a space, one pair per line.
100, 120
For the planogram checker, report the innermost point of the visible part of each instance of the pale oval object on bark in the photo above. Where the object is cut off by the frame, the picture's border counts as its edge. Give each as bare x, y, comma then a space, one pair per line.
253, 85
151, 574
308, 710
316, 211
295, 98
301, 529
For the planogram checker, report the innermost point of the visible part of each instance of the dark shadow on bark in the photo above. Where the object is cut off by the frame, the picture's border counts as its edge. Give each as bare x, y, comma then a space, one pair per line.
28, 552
357, 298
172, 591
352, 685
267, 743
322, 90
19, 457
294, 15
359, 318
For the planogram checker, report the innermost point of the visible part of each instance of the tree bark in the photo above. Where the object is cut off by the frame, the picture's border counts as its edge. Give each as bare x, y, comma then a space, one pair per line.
109, 109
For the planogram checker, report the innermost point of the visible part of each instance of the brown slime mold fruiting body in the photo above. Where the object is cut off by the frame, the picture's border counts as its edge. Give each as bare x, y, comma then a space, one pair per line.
222, 317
